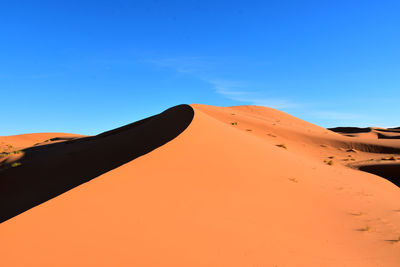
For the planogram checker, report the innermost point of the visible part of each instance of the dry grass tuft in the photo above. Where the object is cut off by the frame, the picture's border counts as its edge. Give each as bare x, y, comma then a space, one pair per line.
365, 229
16, 164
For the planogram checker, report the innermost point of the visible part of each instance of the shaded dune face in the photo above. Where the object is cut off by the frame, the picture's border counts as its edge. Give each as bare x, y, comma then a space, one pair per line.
388, 171
49, 170
349, 130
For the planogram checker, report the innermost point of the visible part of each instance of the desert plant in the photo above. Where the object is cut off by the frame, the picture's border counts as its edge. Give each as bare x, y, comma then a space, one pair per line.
16, 164
330, 162
282, 146
365, 229
234, 123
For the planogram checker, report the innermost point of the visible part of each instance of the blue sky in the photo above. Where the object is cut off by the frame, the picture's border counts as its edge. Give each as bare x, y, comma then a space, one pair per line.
90, 66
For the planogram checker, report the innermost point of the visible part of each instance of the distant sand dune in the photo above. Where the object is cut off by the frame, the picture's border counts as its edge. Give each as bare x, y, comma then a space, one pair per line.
380, 133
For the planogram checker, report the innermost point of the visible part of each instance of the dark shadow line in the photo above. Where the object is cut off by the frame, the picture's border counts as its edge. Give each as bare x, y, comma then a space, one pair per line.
349, 130
390, 172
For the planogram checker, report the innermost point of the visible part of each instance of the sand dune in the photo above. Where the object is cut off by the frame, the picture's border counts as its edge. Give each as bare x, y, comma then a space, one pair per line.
231, 186
373, 132
60, 166
27, 140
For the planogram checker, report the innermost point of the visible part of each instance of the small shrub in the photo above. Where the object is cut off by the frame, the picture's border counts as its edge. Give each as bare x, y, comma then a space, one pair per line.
16, 164
330, 162
249, 130
282, 146
234, 123
365, 229
331, 157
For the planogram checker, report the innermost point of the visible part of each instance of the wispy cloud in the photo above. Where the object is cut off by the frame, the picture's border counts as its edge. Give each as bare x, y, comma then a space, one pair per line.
330, 115
235, 90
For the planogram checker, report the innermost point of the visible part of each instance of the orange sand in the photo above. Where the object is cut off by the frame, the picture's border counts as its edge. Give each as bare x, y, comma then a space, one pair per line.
223, 195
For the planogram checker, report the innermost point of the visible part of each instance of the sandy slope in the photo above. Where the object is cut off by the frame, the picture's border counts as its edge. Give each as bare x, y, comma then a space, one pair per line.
11, 146
26, 140
223, 194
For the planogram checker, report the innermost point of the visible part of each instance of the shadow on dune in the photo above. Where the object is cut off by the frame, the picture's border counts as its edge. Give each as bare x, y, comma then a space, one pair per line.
347, 130
50, 170
390, 130
390, 172
384, 136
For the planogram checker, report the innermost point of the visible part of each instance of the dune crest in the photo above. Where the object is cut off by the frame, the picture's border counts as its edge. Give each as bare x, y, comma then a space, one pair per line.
240, 186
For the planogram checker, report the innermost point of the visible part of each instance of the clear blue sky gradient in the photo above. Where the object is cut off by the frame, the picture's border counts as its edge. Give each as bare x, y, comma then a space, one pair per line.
90, 66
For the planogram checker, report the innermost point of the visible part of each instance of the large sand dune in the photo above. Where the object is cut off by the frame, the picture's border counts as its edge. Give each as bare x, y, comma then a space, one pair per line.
229, 186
